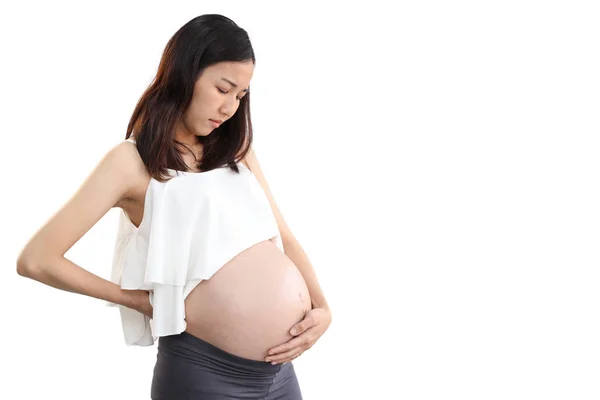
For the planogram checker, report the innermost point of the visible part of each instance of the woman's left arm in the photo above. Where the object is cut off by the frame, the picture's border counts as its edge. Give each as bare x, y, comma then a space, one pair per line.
317, 320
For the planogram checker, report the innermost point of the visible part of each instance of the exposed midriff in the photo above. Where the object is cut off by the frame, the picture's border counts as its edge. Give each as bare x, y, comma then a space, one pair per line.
249, 305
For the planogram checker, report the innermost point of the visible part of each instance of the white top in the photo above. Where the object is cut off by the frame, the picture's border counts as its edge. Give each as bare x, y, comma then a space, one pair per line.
192, 225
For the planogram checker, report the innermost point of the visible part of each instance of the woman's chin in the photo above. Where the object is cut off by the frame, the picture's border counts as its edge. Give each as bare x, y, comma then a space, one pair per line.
201, 133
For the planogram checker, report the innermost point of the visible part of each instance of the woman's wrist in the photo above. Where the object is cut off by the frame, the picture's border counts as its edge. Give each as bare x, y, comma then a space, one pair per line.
127, 299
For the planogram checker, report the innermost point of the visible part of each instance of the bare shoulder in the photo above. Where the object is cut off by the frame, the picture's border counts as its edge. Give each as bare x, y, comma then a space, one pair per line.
114, 178
131, 165
128, 153
124, 166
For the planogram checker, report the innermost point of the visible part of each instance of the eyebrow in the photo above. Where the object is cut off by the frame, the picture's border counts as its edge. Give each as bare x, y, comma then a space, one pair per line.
232, 84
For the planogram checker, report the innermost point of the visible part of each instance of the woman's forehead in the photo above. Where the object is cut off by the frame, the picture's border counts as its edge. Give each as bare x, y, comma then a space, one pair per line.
236, 73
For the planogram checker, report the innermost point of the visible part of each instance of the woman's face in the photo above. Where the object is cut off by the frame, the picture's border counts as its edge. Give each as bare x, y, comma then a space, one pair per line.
217, 94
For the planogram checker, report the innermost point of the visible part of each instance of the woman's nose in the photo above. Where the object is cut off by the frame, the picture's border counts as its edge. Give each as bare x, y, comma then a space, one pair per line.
227, 109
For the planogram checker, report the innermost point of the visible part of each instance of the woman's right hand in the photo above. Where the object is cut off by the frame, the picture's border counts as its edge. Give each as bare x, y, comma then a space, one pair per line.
139, 300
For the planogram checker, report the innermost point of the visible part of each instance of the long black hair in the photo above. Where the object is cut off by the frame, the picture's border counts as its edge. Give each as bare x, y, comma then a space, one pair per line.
203, 41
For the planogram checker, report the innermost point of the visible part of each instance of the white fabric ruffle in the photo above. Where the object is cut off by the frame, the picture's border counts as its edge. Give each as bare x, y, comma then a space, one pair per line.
192, 226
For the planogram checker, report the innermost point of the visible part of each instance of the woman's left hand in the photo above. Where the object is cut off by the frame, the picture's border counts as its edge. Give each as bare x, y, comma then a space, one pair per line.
305, 332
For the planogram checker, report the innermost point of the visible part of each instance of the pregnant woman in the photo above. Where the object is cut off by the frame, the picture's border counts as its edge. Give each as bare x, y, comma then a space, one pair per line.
204, 261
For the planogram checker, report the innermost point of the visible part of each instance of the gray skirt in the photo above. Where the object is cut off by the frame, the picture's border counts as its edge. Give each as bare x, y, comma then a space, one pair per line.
190, 368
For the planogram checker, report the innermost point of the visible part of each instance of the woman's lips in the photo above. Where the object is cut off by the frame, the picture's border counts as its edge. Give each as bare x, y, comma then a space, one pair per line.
215, 124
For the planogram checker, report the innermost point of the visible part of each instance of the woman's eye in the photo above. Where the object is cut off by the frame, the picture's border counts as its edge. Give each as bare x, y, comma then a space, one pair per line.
225, 92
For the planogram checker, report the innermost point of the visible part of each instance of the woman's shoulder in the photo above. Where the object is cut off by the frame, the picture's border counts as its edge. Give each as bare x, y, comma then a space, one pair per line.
125, 158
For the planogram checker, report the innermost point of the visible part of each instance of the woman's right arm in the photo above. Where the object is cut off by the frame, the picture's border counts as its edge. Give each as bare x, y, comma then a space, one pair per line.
42, 259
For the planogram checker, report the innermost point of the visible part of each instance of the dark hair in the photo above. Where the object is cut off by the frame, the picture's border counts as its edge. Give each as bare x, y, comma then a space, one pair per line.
200, 43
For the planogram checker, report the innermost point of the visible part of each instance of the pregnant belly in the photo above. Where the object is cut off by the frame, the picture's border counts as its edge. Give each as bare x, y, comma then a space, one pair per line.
250, 304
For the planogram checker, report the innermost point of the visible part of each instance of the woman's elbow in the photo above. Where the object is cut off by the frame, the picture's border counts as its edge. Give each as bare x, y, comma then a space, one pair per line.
26, 266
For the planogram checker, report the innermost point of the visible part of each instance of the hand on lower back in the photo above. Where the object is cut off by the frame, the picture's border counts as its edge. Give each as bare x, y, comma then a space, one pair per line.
140, 301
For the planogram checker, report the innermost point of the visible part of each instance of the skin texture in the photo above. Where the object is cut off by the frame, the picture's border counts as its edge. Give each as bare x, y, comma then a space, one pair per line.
250, 303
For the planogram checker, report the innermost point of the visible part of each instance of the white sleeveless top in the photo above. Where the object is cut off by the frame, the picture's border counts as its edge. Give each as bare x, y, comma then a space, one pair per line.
192, 225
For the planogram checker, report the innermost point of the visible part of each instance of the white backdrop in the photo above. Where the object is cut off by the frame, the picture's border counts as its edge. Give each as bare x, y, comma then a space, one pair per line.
438, 161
